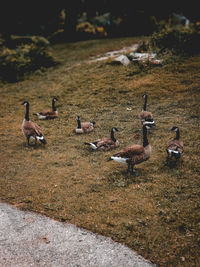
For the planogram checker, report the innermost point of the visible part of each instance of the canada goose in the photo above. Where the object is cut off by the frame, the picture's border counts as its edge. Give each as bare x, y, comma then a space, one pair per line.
48, 114
31, 129
84, 127
174, 146
105, 143
145, 116
134, 154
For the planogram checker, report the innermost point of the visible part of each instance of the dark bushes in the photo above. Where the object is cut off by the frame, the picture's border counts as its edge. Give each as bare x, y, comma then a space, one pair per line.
179, 41
28, 55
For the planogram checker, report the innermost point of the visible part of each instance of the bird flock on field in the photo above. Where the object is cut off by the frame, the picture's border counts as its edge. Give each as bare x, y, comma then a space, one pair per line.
131, 155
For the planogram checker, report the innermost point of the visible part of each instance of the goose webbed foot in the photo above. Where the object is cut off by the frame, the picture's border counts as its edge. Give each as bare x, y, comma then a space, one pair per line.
28, 143
133, 172
166, 162
131, 169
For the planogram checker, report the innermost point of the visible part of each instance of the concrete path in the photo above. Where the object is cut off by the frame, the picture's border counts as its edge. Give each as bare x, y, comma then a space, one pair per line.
29, 239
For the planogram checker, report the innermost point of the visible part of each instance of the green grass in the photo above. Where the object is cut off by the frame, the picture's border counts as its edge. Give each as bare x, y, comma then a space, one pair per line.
157, 213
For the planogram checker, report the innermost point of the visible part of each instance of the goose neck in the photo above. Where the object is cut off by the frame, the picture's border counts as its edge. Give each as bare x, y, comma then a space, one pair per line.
53, 105
79, 123
145, 103
177, 134
27, 112
112, 135
145, 140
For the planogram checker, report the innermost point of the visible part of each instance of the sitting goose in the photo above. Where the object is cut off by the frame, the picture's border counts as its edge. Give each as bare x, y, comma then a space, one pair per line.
134, 154
84, 127
31, 129
105, 143
48, 114
145, 116
174, 146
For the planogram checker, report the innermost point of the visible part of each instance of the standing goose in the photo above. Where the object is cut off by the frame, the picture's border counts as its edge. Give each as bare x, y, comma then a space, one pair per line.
174, 146
105, 143
48, 114
31, 129
134, 154
84, 127
145, 116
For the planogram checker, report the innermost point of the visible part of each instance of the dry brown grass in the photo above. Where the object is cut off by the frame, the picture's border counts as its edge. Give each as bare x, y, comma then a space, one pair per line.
156, 213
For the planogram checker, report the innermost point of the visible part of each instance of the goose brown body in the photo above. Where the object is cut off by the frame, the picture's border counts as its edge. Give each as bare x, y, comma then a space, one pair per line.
84, 127
145, 116
174, 146
134, 154
31, 129
48, 114
105, 143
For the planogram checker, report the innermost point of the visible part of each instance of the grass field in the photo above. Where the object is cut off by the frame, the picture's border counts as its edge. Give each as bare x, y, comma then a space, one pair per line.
157, 213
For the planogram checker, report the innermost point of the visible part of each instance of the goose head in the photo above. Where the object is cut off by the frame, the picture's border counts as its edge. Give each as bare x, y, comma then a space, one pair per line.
25, 103
144, 95
174, 128
114, 129
55, 99
93, 122
149, 123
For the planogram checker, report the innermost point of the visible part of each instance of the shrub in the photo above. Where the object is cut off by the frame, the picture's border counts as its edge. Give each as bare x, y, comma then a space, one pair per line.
24, 58
178, 40
86, 30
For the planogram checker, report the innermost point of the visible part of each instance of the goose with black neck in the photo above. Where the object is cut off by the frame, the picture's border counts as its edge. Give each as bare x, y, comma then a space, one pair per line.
48, 114
134, 154
31, 129
145, 116
105, 143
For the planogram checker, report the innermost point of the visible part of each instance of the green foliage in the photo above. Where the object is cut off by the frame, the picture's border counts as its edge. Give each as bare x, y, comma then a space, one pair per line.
86, 30
28, 56
179, 41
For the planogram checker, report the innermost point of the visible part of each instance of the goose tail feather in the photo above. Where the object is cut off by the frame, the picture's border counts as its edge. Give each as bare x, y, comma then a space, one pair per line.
93, 146
41, 139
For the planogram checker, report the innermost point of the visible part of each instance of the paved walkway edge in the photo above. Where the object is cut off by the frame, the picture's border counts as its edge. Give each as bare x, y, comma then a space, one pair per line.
30, 239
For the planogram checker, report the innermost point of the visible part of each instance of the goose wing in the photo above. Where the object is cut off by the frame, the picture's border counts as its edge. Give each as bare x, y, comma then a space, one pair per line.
32, 129
146, 115
105, 143
130, 151
87, 127
47, 113
85, 124
175, 145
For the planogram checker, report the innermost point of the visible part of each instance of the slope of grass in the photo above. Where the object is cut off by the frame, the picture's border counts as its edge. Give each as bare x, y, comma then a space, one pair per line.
157, 213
